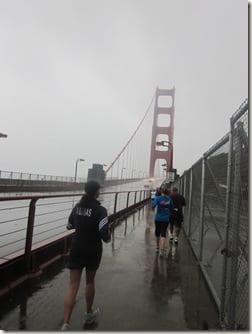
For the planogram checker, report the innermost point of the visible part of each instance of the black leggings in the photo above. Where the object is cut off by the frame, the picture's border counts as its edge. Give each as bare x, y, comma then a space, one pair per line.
161, 228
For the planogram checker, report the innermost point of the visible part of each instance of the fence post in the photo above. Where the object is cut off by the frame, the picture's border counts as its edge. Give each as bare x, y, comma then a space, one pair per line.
127, 204
184, 192
115, 204
190, 203
235, 224
202, 207
227, 225
29, 234
135, 197
182, 185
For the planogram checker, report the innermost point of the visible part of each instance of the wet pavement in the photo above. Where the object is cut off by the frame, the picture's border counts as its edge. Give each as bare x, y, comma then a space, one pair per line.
135, 288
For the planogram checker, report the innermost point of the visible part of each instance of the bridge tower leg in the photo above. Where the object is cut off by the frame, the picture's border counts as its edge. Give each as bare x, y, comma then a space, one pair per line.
166, 130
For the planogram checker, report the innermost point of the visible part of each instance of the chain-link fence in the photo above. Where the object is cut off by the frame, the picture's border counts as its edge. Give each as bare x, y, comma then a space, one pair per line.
216, 220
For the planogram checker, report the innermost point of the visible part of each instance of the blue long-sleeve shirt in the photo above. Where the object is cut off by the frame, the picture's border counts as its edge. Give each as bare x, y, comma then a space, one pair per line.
164, 208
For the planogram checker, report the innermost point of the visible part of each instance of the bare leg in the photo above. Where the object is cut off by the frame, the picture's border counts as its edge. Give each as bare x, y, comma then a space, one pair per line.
90, 289
162, 243
75, 276
171, 228
158, 240
177, 231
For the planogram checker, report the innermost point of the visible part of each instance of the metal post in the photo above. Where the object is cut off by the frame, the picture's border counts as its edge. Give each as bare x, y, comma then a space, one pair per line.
140, 196
235, 224
135, 197
184, 193
29, 234
76, 167
227, 225
190, 203
181, 185
127, 203
115, 204
202, 207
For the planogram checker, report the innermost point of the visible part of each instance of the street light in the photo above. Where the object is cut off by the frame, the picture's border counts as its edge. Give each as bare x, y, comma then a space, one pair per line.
122, 172
166, 143
133, 170
76, 166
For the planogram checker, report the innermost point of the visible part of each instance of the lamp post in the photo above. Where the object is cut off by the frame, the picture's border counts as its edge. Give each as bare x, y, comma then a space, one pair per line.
76, 167
167, 143
122, 172
133, 170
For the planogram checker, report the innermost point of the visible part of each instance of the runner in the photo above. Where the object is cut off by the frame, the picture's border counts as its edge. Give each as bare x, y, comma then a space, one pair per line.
164, 208
176, 218
90, 221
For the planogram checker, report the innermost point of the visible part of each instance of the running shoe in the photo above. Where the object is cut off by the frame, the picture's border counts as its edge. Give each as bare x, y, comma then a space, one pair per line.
65, 327
176, 240
171, 238
157, 250
91, 317
162, 252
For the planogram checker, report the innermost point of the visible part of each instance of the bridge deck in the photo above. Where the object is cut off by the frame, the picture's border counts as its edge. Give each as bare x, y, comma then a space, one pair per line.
135, 289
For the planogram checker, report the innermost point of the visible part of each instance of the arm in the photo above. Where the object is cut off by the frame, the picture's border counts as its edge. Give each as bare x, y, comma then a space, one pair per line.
154, 203
104, 226
172, 205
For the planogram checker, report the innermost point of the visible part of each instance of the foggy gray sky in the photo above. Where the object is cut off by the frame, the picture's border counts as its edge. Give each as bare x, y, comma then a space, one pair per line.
77, 76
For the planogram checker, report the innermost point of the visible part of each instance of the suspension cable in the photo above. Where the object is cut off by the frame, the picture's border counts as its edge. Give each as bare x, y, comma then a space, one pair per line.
123, 149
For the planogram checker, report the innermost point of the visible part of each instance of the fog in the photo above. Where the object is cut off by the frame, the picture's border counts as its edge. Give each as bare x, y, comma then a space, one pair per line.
77, 76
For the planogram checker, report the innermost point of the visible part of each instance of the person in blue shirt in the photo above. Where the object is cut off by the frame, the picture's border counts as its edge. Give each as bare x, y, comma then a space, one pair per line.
164, 206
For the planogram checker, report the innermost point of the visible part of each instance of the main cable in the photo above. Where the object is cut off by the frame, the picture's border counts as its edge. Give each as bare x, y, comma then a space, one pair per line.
125, 146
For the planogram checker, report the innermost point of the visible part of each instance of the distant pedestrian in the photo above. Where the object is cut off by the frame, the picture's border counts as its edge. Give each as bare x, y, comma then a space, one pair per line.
164, 208
90, 221
153, 194
176, 218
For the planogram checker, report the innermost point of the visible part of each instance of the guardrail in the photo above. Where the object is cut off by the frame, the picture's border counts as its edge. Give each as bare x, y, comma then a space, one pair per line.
33, 229
37, 177
14, 175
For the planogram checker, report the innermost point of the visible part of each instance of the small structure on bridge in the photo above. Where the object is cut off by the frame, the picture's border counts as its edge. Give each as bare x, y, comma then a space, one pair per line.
96, 173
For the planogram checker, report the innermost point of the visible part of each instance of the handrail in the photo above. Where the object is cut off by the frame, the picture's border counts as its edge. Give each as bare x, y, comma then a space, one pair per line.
54, 218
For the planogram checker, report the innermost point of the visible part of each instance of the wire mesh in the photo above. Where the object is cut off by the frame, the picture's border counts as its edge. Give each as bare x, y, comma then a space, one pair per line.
237, 287
214, 214
224, 240
194, 223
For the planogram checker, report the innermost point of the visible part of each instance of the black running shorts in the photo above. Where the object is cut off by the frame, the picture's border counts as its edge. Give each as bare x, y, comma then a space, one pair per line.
176, 218
161, 228
80, 260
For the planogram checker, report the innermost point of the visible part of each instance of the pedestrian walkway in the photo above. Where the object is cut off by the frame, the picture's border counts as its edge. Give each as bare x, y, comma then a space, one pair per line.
135, 289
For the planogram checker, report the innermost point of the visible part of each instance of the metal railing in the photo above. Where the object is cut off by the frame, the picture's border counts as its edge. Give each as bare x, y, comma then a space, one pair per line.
36, 177
27, 220
216, 220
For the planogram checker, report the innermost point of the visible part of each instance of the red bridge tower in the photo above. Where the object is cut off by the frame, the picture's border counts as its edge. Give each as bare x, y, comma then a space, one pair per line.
163, 131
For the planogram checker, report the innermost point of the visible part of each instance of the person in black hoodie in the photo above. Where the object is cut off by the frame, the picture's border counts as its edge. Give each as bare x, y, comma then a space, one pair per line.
90, 221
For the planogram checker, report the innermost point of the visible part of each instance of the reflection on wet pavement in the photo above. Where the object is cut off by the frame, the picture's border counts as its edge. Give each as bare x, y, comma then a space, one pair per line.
135, 288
